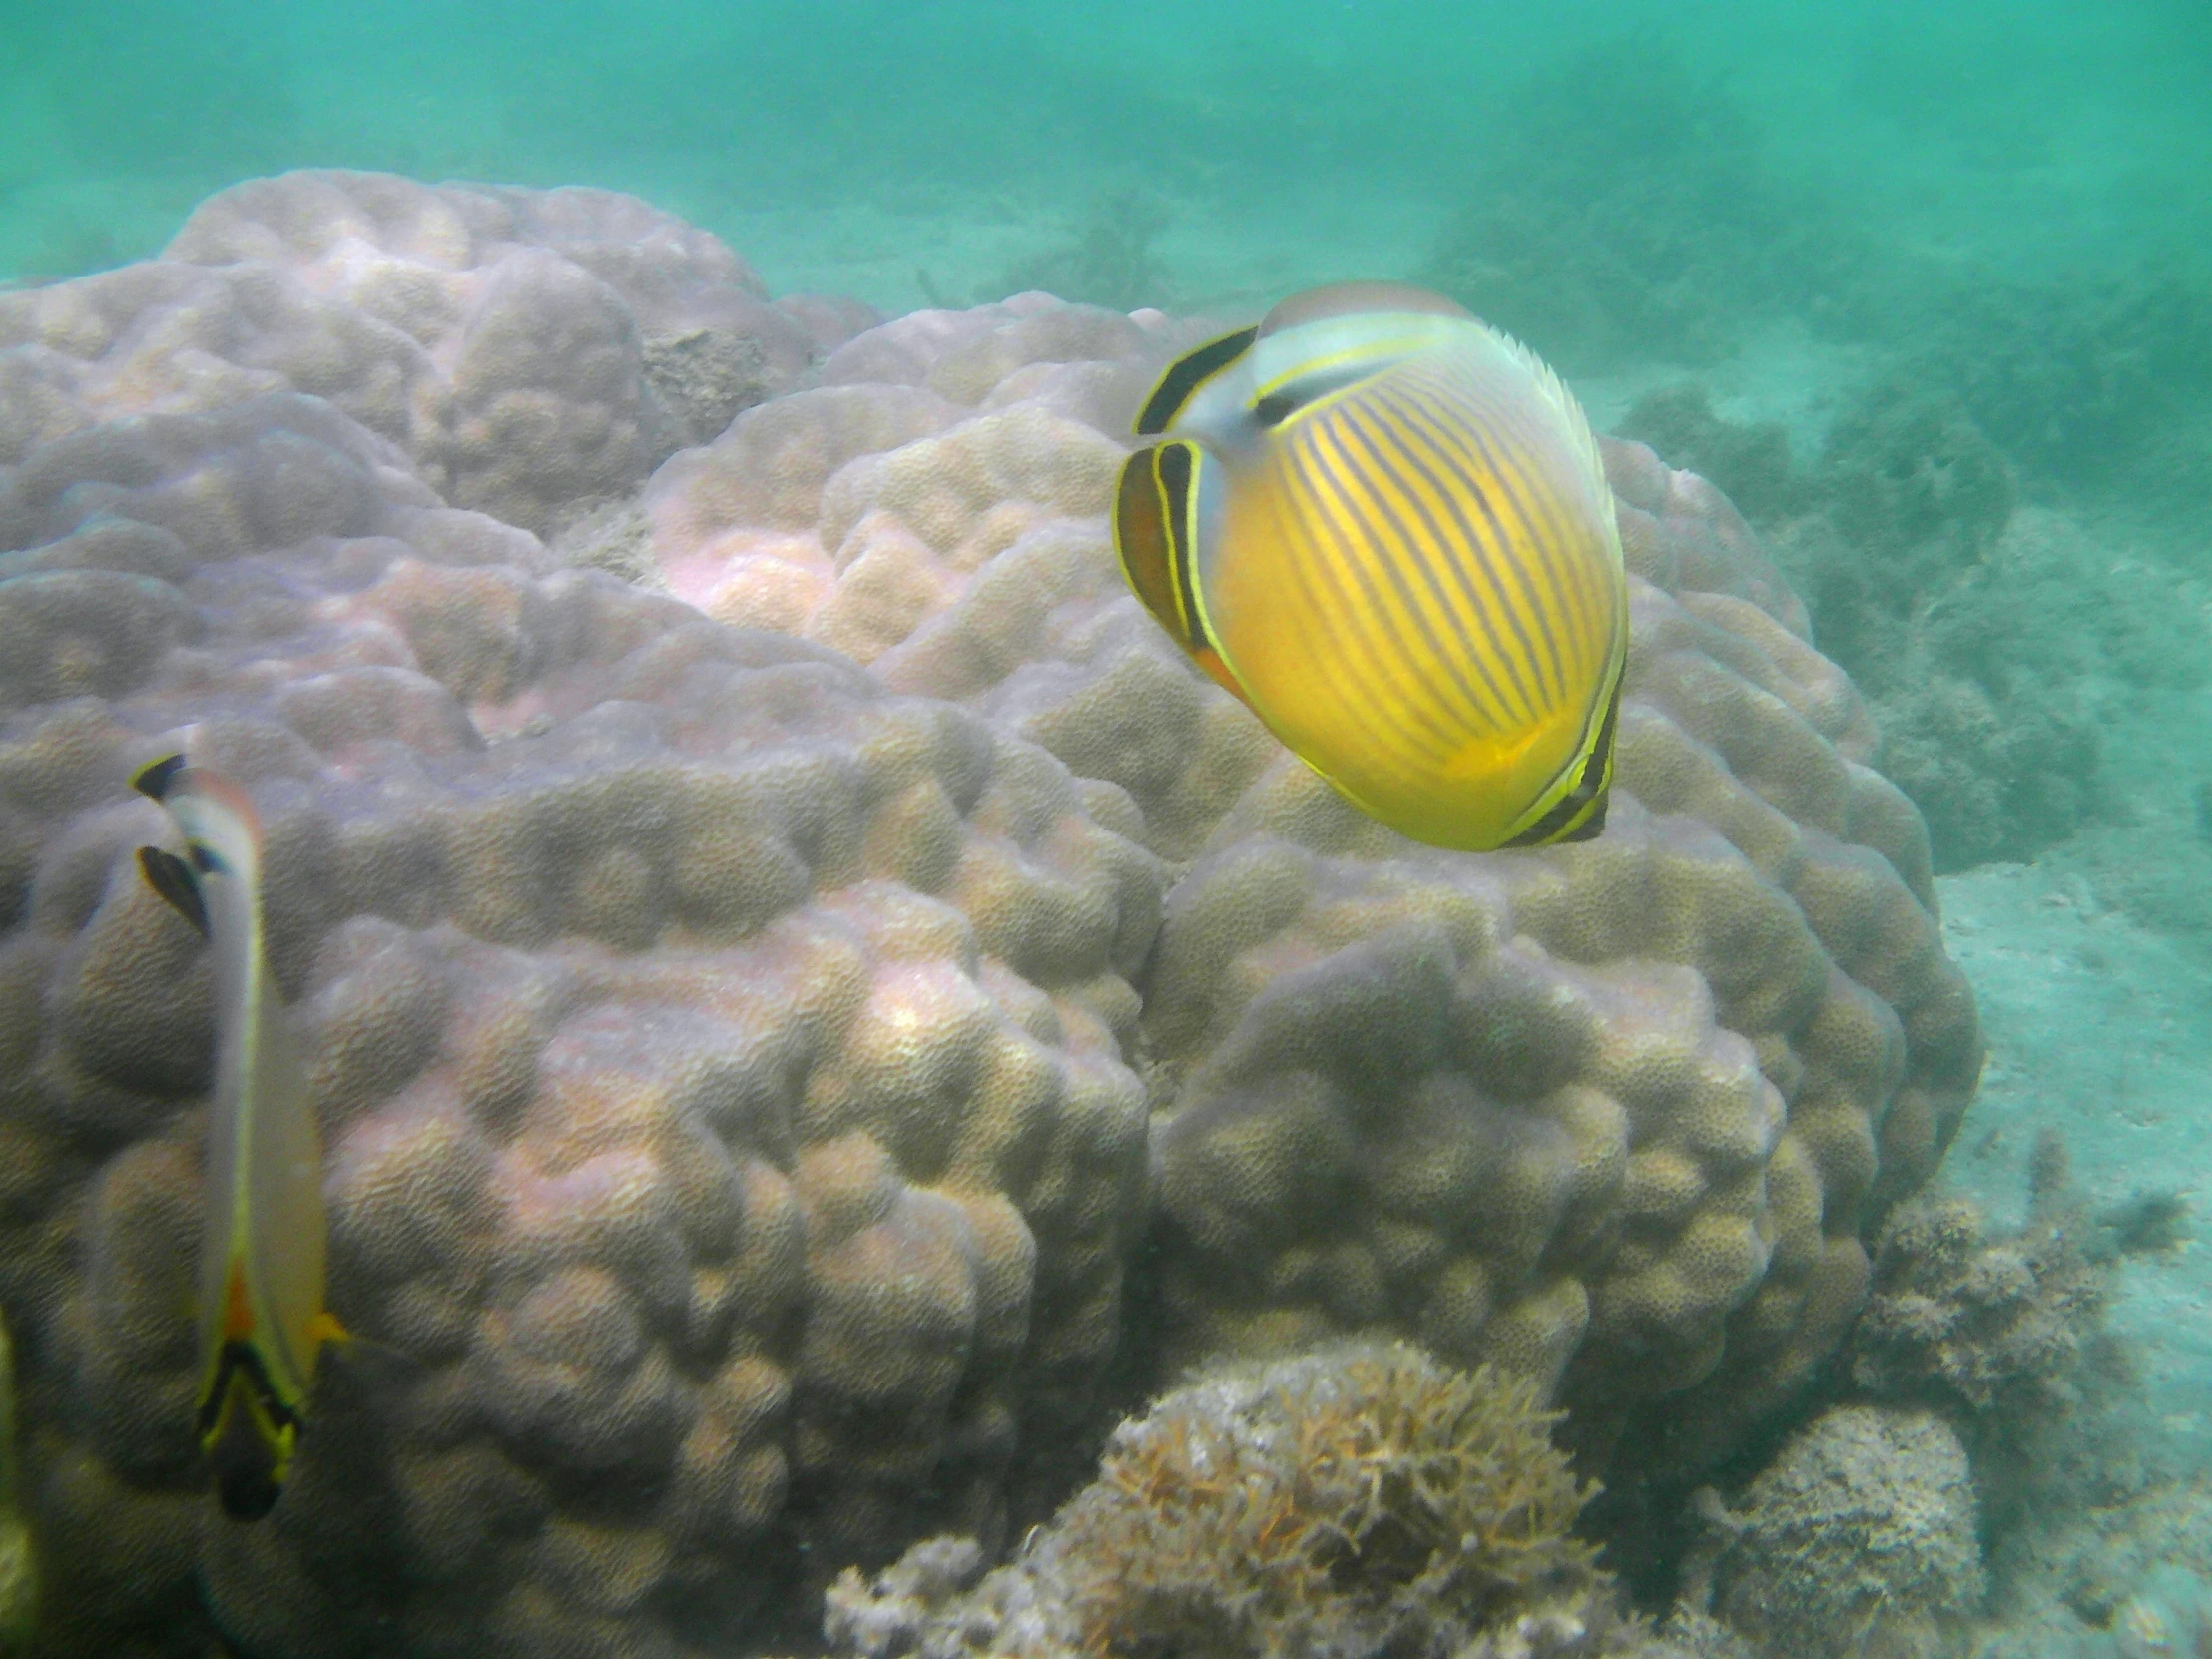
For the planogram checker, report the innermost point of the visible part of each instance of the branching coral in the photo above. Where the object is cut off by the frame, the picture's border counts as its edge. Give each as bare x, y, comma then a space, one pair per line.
1346, 1502
2007, 1335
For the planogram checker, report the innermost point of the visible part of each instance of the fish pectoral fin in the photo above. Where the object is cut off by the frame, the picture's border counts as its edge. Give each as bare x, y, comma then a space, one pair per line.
172, 878
324, 1327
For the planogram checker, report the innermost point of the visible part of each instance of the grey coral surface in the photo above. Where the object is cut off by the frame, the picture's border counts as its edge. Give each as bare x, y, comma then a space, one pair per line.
1860, 1538
764, 1013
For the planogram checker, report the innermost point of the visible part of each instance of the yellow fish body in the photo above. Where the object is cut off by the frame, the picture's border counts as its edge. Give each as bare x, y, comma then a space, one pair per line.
1386, 528
262, 1319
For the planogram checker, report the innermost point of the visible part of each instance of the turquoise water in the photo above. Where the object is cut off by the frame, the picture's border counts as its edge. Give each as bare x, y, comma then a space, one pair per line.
2028, 139
1924, 290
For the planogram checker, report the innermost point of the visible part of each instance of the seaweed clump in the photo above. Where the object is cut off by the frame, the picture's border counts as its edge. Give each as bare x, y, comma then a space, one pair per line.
1749, 460
1363, 1501
1989, 638
1108, 260
2005, 1335
2076, 377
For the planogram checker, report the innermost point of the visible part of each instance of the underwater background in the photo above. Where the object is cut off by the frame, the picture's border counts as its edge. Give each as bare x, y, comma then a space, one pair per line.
513, 547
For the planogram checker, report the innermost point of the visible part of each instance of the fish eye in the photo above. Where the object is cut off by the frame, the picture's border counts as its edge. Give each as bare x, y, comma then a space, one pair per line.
205, 862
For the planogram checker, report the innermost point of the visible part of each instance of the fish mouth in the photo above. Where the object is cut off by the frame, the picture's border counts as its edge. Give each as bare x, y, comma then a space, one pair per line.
247, 1433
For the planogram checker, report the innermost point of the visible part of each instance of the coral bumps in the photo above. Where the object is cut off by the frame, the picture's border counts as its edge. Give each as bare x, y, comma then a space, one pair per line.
720, 1058
759, 1010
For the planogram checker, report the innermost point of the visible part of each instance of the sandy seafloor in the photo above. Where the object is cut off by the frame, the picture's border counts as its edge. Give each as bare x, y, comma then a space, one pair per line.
2096, 1028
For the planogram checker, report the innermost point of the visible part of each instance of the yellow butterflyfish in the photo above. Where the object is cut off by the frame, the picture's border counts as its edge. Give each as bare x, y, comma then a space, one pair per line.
1386, 528
263, 1323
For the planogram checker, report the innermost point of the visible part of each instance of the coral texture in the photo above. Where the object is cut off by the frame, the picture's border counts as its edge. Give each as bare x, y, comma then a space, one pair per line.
1858, 1542
721, 1061
1634, 1106
529, 349
1993, 641
2004, 1334
1339, 1503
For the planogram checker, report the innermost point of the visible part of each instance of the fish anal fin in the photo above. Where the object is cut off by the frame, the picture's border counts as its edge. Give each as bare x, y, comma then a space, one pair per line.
248, 1446
1210, 660
1579, 815
172, 878
1592, 826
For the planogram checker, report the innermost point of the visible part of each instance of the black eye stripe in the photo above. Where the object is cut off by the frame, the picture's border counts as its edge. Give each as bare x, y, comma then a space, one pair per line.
1181, 382
153, 781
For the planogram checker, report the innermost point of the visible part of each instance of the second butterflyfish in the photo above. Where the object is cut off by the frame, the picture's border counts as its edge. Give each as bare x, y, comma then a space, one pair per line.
1386, 528
262, 1324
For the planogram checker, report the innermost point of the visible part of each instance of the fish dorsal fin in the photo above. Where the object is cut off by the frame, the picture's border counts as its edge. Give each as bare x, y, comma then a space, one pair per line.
1324, 341
172, 878
1356, 300
1555, 392
1186, 376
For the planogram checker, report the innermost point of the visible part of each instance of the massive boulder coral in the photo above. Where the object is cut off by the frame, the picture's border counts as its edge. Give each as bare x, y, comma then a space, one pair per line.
757, 1024
528, 350
722, 1063
1621, 1115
